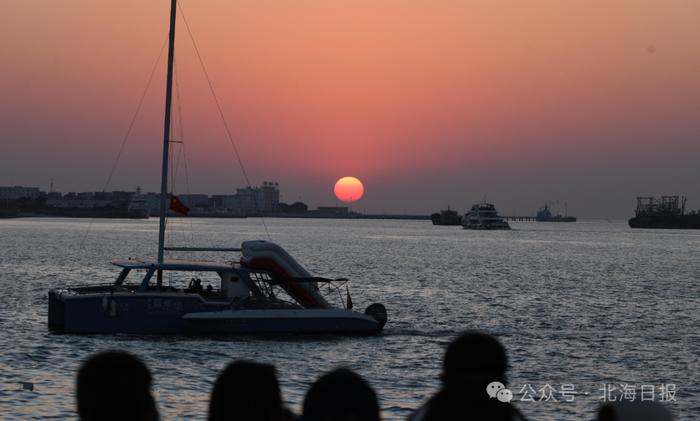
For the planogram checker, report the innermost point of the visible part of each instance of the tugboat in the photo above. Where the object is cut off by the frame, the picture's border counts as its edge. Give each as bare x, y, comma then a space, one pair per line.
484, 216
446, 217
264, 291
545, 215
668, 212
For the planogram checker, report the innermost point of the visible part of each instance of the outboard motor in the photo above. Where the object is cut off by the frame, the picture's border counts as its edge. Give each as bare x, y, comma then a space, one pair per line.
377, 311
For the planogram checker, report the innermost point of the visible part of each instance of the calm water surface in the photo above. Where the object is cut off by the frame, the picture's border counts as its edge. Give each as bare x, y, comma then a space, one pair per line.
588, 304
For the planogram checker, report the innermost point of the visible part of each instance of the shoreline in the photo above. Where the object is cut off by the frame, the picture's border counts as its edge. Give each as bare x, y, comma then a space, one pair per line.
215, 215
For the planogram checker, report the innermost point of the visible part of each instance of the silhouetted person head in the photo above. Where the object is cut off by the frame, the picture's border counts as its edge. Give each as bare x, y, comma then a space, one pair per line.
474, 357
471, 362
454, 405
246, 391
633, 411
341, 395
115, 385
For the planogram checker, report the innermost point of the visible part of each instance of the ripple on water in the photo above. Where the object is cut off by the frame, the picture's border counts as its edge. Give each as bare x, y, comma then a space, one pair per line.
585, 303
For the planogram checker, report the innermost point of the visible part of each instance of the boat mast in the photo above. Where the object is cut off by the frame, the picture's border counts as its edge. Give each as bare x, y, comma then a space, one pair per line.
166, 137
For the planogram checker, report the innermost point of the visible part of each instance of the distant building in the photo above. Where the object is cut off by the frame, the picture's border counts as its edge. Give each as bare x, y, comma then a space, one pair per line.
122, 198
75, 202
89, 200
227, 203
19, 192
148, 202
268, 196
193, 201
246, 201
249, 200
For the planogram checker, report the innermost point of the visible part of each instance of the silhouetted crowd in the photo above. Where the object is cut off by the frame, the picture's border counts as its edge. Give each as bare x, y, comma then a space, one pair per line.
116, 385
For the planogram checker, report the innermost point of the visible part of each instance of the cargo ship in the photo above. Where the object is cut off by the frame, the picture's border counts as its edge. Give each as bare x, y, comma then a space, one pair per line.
545, 215
667, 212
446, 217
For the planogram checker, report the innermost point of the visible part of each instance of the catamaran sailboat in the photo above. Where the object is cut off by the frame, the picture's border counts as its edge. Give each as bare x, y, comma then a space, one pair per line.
264, 291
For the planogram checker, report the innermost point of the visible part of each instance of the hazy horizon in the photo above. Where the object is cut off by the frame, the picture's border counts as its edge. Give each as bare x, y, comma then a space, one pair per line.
429, 103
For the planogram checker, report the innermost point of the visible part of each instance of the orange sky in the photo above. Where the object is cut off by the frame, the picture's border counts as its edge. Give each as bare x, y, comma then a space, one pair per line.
427, 102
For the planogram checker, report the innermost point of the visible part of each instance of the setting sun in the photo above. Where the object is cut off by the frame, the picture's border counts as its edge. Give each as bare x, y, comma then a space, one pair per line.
349, 189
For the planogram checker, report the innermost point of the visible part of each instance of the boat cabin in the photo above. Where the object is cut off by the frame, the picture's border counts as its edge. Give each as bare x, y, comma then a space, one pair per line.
233, 282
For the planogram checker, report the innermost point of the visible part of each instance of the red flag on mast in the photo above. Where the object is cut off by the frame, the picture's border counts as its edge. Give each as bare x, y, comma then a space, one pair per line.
177, 206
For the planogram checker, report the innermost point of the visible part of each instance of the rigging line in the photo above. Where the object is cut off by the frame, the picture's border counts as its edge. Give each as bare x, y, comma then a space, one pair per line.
133, 119
168, 228
216, 99
174, 162
171, 158
172, 141
218, 106
127, 134
187, 186
179, 121
182, 154
172, 166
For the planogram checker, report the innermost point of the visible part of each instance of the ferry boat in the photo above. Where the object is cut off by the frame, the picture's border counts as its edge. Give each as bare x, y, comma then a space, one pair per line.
446, 217
264, 291
483, 216
668, 212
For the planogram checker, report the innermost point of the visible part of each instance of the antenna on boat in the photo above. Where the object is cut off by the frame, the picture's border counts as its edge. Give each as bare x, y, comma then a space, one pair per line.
166, 138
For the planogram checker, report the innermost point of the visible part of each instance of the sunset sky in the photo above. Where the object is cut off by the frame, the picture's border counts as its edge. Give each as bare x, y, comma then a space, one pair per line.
428, 102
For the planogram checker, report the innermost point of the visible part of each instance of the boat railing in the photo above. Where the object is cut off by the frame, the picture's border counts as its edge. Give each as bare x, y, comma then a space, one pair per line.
332, 289
88, 288
211, 249
269, 290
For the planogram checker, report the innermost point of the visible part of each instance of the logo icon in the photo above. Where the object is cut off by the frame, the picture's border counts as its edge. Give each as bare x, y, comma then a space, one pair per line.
493, 388
504, 395
498, 390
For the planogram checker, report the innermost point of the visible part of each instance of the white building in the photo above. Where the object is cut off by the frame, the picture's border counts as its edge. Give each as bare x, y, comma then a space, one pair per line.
250, 199
268, 196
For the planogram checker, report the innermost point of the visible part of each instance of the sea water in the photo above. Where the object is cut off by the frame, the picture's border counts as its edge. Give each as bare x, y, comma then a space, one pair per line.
587, 311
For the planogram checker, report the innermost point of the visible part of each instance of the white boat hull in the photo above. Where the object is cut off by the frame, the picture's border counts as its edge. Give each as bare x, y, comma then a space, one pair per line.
281, 321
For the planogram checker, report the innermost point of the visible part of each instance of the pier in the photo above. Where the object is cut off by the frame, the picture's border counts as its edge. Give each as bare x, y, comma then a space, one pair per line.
520, 218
